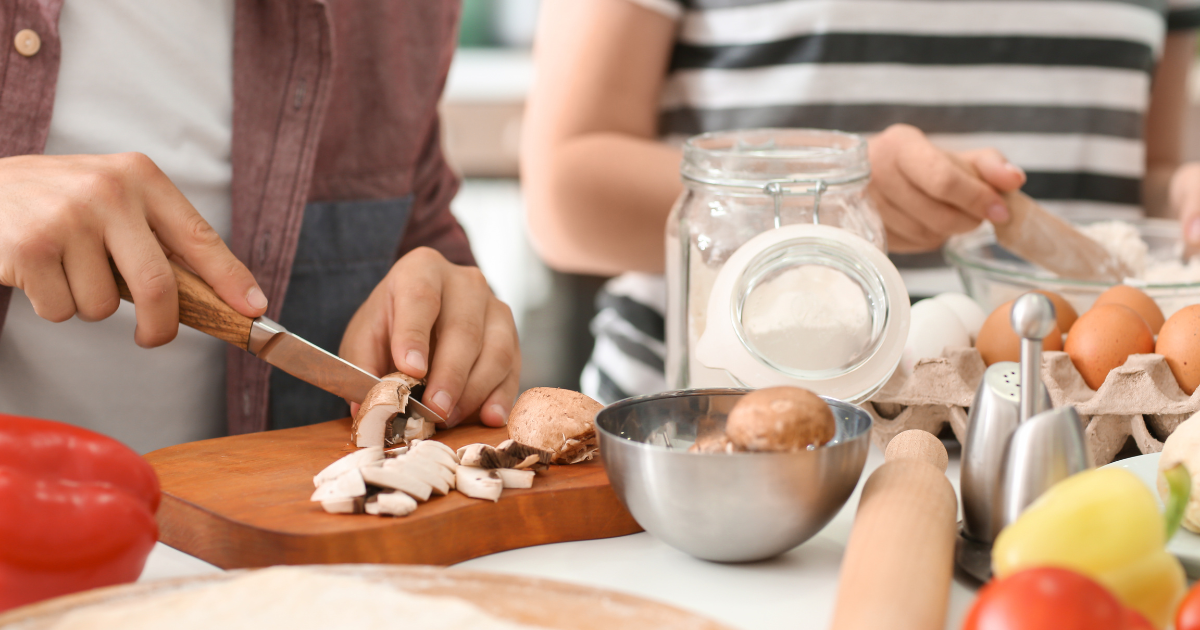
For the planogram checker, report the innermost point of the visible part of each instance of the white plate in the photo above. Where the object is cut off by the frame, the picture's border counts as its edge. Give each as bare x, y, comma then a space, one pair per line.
1185, 545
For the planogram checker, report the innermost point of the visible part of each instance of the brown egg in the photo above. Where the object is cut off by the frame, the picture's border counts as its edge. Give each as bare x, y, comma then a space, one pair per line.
997, 341
1179, 343
1137, 300
1103, 338
1063, 311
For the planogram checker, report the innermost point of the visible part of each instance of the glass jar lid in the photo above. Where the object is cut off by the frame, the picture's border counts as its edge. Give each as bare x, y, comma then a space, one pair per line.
811, 306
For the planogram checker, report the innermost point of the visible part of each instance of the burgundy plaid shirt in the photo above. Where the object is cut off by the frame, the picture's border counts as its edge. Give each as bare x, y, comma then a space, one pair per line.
333, 100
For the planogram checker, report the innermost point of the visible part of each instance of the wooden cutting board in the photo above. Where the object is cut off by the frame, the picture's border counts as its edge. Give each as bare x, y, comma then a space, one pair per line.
544, 603
243, 501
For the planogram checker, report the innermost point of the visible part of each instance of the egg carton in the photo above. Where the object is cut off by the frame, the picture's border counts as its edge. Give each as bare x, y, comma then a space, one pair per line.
1139, 400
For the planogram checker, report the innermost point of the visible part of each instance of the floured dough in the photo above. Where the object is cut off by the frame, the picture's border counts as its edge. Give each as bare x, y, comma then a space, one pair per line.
288, 597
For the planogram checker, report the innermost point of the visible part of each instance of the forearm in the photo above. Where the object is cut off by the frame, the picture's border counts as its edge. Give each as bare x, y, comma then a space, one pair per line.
598, 202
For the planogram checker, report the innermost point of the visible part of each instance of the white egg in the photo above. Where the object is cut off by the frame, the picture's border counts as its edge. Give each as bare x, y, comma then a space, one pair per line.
969, 312
933, 326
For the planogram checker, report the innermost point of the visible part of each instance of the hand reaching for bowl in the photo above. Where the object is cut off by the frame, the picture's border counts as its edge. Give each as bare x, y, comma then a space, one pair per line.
62, 217
926, 194
1184, 200
427, 306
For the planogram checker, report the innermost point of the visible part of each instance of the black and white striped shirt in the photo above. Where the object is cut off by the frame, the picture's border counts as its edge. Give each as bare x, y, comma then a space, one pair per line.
1061, 87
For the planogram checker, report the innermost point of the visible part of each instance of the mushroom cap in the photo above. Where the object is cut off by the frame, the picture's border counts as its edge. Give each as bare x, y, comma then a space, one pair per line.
547, 417
780, 419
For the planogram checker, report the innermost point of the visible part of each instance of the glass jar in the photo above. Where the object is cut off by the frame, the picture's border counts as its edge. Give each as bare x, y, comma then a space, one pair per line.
775, 261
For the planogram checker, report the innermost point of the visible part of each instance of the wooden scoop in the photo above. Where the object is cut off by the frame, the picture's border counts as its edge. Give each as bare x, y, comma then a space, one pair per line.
900, 559
1046, 240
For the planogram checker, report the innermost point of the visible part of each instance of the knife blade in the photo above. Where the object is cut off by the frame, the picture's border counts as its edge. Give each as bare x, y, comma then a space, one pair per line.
202, 309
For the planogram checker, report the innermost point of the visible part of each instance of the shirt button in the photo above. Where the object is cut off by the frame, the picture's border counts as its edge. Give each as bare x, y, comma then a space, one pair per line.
27, 43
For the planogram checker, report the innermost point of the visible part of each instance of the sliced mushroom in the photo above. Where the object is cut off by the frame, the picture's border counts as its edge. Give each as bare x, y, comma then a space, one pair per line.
513, 478
471, 454
426, 449
400, 479
346, 505
418, 428
385, 403
479, 483
442, 447
430, 473
353, 460
348, 484
390, 504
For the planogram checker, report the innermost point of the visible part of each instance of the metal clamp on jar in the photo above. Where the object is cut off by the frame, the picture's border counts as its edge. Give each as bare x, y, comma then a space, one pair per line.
776, 270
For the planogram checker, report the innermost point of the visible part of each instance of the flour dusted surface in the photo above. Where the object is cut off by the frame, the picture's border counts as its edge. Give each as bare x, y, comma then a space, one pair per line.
292, 598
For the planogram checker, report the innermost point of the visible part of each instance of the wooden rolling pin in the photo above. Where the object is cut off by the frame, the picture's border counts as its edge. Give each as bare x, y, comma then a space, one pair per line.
900, 559
1036, 235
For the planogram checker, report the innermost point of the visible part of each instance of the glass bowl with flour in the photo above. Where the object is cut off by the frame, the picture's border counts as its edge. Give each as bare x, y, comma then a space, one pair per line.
1152, 248
776, 272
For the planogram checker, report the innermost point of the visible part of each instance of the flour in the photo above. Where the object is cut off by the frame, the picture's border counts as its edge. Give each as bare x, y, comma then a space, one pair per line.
1122, 240
288, 597
809, 317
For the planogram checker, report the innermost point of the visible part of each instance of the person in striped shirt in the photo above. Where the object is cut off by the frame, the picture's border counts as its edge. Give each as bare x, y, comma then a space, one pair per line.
1080, 103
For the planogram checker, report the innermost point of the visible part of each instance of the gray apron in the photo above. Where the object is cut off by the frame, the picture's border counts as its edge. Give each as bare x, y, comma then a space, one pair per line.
344, 250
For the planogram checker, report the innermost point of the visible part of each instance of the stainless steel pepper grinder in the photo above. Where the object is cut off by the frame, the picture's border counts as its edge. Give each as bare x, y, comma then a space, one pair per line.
1017, 446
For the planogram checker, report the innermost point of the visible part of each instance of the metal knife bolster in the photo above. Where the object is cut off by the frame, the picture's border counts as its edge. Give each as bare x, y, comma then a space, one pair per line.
272, 343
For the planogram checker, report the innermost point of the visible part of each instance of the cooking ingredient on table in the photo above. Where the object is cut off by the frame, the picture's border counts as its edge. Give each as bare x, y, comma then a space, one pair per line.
1135, 299
1103, 338
1064, 313
1188, 615
393, 482
998, 342
900, 557
297, 598
557, 420
1179, 343
383, 418
936, 324
1050, 598
1046, 240
76, 510
1105, 524
970, 314
780, 419
1123, 240
1181, 452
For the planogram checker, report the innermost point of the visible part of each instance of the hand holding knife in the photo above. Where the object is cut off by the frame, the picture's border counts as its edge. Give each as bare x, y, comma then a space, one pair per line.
200, 308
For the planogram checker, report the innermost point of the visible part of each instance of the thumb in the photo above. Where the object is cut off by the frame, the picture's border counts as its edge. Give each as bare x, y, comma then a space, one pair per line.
995, 169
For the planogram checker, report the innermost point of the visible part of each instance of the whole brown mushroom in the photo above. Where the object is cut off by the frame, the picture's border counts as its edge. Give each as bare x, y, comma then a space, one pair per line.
556, 420
780, 419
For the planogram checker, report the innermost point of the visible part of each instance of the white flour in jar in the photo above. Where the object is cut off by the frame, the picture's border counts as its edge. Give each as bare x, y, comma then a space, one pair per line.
809, 317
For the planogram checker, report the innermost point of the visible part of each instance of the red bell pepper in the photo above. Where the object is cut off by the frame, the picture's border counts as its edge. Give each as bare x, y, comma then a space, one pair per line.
76, 510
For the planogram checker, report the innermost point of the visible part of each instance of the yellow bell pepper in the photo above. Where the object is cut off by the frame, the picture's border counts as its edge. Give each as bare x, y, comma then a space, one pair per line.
1105, 524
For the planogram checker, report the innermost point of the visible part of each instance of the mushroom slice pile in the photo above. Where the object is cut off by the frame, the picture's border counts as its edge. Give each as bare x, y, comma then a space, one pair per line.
392, 482
374, 424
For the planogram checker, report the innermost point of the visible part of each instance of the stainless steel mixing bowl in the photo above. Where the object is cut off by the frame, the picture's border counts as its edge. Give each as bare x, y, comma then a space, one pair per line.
737, 507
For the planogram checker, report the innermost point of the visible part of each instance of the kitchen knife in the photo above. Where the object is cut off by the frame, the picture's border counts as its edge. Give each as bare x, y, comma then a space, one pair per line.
202, 309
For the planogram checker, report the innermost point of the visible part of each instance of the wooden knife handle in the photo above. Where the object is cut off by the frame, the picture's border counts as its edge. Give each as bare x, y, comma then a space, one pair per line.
200, 308
900, 558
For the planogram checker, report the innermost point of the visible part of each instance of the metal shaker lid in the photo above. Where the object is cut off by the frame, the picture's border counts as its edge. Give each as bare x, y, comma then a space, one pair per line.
811, 306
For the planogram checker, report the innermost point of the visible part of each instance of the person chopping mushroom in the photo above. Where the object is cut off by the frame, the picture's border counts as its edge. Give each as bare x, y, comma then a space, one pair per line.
285, 151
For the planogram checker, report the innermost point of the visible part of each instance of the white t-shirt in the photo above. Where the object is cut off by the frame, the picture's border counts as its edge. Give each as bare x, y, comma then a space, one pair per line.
154, 77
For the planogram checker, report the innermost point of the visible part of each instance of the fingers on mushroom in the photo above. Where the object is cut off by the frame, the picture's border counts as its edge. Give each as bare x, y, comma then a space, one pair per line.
556, 420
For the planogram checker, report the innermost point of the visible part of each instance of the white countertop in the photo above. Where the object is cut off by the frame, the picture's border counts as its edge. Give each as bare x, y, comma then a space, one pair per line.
795, 591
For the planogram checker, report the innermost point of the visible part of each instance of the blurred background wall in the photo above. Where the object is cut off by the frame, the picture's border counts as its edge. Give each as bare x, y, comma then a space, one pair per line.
481, 110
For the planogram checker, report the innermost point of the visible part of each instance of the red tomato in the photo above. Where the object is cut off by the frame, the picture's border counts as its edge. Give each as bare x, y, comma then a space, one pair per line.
1048, 598
1188, 615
